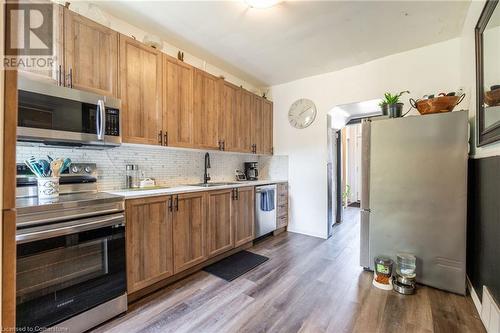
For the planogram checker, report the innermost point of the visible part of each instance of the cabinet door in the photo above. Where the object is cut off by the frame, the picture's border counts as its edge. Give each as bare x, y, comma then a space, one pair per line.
141, 93
52, 74
257, 124
189, 230
229, 117
267, 127
178, 102
244, 126
282, 202
206, 109
220, 236
149, 242
243, 212
91, 55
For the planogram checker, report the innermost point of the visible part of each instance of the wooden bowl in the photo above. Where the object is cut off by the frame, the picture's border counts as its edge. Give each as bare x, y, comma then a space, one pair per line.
492, 98
437, 104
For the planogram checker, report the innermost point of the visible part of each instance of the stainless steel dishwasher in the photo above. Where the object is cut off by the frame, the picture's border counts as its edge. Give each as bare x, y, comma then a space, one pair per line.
265, 212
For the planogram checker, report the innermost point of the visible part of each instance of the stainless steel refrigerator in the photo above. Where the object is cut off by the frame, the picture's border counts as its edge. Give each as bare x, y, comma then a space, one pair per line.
414, 194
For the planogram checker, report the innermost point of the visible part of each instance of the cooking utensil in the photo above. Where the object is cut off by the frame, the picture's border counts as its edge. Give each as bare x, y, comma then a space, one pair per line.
45, 166
65, 165
55, 166
33, 170
34, 167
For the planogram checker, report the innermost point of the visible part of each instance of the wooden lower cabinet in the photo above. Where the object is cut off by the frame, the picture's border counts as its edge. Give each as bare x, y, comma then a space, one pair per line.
189, 229
244, 214
167, 235
149, 241
282, 202
220, 236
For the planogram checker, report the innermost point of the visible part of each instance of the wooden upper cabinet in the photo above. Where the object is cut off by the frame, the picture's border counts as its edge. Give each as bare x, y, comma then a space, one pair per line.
90, 55
243, 213
51, 75
149, 242
189, 225
243, 124
206, 110
220, 236
257, 124
141, 92
267, 127
230, 109
177, 103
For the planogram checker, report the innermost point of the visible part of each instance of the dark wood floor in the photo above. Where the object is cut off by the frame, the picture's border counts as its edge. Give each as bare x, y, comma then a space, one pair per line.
308, 285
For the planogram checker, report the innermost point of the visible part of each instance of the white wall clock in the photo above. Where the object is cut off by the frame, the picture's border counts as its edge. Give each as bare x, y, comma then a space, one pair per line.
302, 113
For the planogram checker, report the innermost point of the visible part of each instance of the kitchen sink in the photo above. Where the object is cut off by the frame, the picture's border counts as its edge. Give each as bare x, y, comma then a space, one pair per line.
212, 184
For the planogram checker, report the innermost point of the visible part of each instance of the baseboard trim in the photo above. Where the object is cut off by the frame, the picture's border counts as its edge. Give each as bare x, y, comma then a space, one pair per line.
488, 309
474, 296
490, 312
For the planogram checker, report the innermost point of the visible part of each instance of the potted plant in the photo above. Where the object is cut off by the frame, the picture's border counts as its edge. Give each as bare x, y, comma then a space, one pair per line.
345, 195
391, 104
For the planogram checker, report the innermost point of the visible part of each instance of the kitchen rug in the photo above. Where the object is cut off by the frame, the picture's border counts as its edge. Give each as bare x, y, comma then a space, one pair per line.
235, 265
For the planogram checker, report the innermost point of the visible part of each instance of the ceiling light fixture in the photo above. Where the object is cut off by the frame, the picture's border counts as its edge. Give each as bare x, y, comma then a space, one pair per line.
262, 3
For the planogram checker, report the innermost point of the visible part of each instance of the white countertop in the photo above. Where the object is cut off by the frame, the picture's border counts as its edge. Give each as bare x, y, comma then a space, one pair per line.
141, 193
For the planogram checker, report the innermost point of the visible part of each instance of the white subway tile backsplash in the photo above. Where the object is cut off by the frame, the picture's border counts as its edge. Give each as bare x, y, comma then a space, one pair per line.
168, 166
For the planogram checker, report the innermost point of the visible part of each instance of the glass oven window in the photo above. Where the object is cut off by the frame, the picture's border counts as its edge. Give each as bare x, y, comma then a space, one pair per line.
60, 277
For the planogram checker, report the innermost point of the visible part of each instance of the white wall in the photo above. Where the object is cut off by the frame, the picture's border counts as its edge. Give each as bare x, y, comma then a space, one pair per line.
468, 75
89, 10
425, 70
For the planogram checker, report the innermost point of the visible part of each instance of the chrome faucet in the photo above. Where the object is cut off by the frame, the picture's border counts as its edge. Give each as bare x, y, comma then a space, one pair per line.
206, 176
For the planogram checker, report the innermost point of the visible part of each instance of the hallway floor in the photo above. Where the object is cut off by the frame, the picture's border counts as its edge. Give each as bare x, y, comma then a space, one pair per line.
307, 285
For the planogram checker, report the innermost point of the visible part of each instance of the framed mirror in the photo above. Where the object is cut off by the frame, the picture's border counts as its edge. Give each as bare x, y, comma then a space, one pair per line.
488, 74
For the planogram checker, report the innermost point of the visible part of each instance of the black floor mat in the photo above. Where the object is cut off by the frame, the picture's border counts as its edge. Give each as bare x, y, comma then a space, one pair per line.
355, 204
235, 265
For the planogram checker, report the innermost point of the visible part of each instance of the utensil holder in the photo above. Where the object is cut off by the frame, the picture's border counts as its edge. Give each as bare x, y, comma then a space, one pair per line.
48, 188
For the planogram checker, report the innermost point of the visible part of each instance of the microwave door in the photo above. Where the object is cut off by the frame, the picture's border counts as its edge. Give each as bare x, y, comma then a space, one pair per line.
51, 119
61, 116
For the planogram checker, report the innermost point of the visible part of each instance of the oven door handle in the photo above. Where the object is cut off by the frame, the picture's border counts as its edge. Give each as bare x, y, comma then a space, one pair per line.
72, 227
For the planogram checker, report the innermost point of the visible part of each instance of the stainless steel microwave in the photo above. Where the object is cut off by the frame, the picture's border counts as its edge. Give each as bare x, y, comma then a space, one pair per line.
56, 115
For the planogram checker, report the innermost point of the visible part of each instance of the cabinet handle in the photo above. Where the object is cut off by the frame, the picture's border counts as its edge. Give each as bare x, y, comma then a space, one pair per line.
165, 138
219, 143
223, 145
170, 204
160, 137
232, 194
70, 78
59, 76
237, 192
177, 203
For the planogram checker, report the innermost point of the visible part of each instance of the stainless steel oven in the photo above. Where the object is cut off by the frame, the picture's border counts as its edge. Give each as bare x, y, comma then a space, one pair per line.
57, 115
70, 261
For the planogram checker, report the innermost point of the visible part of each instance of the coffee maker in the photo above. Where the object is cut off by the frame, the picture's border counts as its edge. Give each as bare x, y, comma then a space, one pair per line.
251, 171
